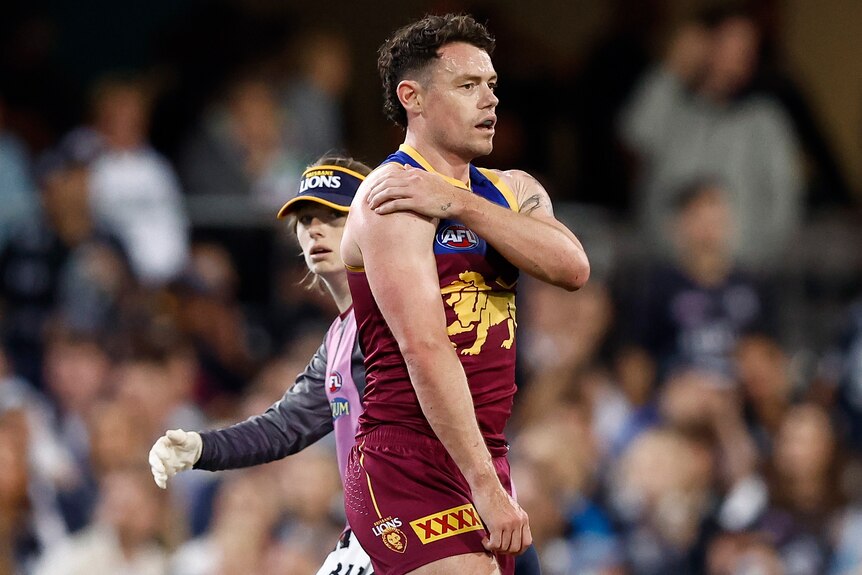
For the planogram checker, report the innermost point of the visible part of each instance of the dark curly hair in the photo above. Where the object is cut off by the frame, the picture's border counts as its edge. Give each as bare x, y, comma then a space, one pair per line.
412, 47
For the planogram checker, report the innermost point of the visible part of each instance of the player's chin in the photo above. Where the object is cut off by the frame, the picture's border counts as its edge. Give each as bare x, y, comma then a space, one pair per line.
483, 148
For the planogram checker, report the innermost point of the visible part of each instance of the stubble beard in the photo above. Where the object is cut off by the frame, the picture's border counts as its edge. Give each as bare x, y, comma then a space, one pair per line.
471, 150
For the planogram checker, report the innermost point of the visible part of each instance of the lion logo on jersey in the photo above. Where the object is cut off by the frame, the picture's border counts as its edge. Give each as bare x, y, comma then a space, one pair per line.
395, 540
392, 537
477, 307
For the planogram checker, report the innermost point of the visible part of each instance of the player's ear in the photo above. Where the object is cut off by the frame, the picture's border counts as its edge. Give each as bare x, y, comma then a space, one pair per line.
410, 95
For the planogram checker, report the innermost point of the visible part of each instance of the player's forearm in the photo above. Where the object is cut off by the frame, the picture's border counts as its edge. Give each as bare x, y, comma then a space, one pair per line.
540, 248
299, 419
444, 396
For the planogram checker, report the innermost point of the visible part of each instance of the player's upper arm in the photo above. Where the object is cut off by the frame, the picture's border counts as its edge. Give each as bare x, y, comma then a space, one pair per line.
534, 202
397, 253
532, 198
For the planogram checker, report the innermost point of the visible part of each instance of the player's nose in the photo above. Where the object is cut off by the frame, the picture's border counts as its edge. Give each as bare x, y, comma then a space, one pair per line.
490, 99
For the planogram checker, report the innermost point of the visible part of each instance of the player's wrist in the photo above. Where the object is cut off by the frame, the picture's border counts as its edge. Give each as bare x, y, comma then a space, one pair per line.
199, 446
464, 205
483, 479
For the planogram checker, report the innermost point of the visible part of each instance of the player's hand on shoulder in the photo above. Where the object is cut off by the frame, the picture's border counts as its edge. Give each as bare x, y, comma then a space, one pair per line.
409, 189
175, 451
507, 524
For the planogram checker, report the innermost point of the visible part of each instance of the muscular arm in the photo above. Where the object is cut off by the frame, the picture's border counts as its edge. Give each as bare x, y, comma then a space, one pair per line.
434, 368
293, 423
531, 238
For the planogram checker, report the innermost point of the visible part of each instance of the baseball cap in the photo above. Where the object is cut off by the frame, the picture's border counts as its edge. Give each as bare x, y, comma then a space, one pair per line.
331, 186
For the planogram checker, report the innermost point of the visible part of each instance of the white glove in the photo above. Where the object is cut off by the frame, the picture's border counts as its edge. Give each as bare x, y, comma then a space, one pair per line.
175, 451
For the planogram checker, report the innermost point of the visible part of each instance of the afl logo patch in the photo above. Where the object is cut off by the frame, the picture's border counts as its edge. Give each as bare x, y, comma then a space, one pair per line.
334, 381
457, 237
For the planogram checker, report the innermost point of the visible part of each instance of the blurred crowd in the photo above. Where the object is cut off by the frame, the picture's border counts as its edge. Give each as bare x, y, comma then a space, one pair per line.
681, 414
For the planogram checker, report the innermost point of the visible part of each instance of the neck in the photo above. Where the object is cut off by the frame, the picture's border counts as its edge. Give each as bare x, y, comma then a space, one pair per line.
73, 230
445, 162
707, 268
340, 291
715, 95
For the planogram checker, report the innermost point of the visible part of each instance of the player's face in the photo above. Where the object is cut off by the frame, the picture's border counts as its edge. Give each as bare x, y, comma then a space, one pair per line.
459, 104
319, 230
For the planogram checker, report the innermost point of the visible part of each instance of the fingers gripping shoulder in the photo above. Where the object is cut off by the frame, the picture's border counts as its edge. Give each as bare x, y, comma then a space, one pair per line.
175, 451
362, 215
376, 178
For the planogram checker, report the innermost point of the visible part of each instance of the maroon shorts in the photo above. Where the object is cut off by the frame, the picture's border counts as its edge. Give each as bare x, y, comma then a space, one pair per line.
409, 505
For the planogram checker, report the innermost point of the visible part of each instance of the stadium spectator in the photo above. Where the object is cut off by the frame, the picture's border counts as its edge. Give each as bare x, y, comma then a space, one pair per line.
246, 513
135, 192
17, 192
660, 491
245, 148
690, 312
48, 258
313, 98
693, 114
211, 316
846, 377
806, 497
29, 522
122, 539
764, 374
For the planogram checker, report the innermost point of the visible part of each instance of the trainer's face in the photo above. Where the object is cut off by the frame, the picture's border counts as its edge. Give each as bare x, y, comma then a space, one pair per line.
459, 103
319, 230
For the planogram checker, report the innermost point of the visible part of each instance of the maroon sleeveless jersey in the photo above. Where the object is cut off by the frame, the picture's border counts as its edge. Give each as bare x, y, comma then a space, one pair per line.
477, 288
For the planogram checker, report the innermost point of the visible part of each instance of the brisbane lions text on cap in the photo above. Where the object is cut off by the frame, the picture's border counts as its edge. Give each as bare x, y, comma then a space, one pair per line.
332, 186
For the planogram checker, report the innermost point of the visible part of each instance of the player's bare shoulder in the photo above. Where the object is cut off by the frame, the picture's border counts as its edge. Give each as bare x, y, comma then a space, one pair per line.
365, 226
531, 195
361, 218
374, 178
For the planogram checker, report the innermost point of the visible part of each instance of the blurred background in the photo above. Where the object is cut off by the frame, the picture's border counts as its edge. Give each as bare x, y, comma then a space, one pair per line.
696, 408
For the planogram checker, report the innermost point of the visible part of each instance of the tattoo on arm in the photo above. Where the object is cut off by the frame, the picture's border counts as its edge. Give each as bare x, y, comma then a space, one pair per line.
446, 206
534, 202
531, 204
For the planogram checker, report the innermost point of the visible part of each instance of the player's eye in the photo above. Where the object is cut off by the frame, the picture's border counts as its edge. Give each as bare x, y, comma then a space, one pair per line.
493, 86
468, 86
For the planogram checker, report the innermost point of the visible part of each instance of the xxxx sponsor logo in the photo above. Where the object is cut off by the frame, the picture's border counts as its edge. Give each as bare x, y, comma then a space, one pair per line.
447, 523
392, 537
